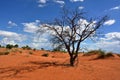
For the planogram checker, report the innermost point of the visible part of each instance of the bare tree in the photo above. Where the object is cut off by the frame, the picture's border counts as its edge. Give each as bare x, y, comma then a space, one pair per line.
70, 29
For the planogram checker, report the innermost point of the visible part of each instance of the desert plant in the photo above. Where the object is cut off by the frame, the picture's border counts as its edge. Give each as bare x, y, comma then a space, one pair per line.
109, 54
20, 51
9, 46
16, 46
118, 55
42, 49
92, 52
100, 54
34, 49
26, 47
14, 50
4, 53
45, 54
69, 30
30, 52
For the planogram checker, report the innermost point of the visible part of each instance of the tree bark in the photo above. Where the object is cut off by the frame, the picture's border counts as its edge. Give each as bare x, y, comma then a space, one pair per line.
72, 60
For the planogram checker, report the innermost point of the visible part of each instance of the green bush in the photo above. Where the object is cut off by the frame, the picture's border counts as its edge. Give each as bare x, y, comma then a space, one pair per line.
9, 46
45, 54
16, 46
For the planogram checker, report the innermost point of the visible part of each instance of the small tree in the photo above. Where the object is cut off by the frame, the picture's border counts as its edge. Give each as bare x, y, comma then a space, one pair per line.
16, 46
9, 46
70, 29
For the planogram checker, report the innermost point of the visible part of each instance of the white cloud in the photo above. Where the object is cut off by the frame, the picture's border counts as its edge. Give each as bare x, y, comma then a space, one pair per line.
61, 2
41, 5
42, 1
76, 0
8, 34
5, 41
113, 36
11, 37
41, 41
10, 23
80, 7
37, 40
110, 42
115, 8
31, 27
110, 22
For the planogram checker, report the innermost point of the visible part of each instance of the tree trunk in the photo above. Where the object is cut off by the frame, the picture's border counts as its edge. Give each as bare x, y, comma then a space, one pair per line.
72, 60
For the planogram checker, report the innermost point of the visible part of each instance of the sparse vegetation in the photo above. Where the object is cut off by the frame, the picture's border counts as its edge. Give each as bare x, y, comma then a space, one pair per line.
30, 52
26, 47
20, 51
93, 52
42, 49
101, 54
9, 46
109, 54
16, 46
14, 50
4, 53
45, 54
34, 49
118, 55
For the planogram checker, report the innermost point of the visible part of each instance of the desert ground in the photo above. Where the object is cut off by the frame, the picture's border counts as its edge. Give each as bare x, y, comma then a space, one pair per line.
31, 65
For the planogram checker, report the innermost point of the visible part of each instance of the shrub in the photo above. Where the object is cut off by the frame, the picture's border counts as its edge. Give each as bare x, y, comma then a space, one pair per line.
93, 52
20, 51
14, 50
34, 49
45, 54
42, 49
101, 56
16, 46
9, 46
30, 52
109, 54
26, 47
118, 55
4, 53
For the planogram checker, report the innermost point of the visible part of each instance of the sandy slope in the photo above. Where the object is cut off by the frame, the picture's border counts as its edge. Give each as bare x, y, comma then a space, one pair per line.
35, 67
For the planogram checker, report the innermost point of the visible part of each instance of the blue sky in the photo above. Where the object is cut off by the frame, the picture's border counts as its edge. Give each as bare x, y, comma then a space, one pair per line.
19, 19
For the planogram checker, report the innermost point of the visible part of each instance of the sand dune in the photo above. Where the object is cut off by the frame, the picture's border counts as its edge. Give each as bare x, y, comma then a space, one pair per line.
24, 66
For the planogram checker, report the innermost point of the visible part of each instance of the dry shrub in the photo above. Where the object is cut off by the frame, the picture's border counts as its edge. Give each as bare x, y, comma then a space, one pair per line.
45, 54
94, 52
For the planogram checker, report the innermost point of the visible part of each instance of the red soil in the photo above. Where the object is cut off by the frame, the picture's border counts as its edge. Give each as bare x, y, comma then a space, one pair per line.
24, 66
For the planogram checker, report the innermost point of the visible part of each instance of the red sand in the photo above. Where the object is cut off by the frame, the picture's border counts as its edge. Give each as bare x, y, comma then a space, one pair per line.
23, 66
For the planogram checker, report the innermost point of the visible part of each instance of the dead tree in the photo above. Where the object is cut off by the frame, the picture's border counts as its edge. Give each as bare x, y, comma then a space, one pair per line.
70, 29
